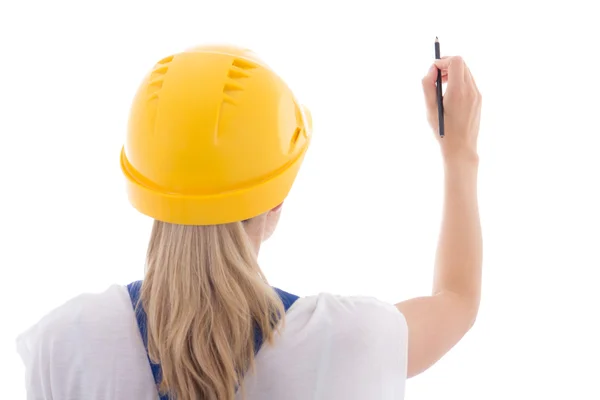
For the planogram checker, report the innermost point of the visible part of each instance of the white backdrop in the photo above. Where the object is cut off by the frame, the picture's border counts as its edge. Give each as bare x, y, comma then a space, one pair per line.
364, 214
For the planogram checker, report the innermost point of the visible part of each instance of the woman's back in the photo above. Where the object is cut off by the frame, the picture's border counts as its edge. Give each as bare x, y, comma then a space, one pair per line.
329, 347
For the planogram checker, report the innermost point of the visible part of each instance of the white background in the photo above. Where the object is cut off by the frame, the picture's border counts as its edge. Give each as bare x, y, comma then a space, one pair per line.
364, 214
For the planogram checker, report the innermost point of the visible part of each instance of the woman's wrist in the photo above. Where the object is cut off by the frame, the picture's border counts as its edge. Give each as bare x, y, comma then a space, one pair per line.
460, 160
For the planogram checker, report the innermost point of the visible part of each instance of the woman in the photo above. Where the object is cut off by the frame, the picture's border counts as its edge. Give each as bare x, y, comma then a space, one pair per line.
215, 141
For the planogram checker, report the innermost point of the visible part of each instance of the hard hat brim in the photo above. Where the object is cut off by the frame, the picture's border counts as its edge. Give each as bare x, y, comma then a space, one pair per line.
222, 208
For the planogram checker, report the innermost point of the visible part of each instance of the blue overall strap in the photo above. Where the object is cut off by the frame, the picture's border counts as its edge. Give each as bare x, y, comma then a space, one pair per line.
288, 300
134, 289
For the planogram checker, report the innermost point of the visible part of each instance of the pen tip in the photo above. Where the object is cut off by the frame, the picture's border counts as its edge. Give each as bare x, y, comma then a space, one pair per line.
436, 39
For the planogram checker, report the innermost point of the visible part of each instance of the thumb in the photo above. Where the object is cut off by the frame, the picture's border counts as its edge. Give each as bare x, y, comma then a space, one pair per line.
429, 88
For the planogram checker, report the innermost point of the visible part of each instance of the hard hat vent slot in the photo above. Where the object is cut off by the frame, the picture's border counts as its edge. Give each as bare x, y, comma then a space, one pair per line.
231, 87
166, 60
236, 74
295, 138
157, 77
239, 70
244, 64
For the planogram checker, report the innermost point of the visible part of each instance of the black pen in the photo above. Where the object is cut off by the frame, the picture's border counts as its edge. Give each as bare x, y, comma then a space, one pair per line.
440, 99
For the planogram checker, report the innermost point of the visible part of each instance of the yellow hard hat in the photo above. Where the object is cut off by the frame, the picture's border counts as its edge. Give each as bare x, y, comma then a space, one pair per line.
214, 136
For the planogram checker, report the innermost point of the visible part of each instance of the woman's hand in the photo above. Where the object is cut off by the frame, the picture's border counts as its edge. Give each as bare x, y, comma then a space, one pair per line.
462, 108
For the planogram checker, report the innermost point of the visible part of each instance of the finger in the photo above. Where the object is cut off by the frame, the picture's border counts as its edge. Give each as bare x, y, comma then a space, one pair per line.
454, 66
444, 76
429, 87
456, 70
444, 70
432, 74
443, 58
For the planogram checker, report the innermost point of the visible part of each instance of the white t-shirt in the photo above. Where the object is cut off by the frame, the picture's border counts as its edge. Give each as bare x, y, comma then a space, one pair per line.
332, 348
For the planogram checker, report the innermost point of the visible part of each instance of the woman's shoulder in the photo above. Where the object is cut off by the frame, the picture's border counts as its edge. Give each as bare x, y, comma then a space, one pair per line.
92, 332
349, 316
76, 323
84, 307
351, 306
344, 341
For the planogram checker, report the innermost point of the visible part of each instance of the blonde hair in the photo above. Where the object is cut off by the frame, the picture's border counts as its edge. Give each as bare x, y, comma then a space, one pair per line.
204, 294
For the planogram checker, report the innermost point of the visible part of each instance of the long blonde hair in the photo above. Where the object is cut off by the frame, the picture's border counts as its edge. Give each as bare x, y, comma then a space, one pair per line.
204, 294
